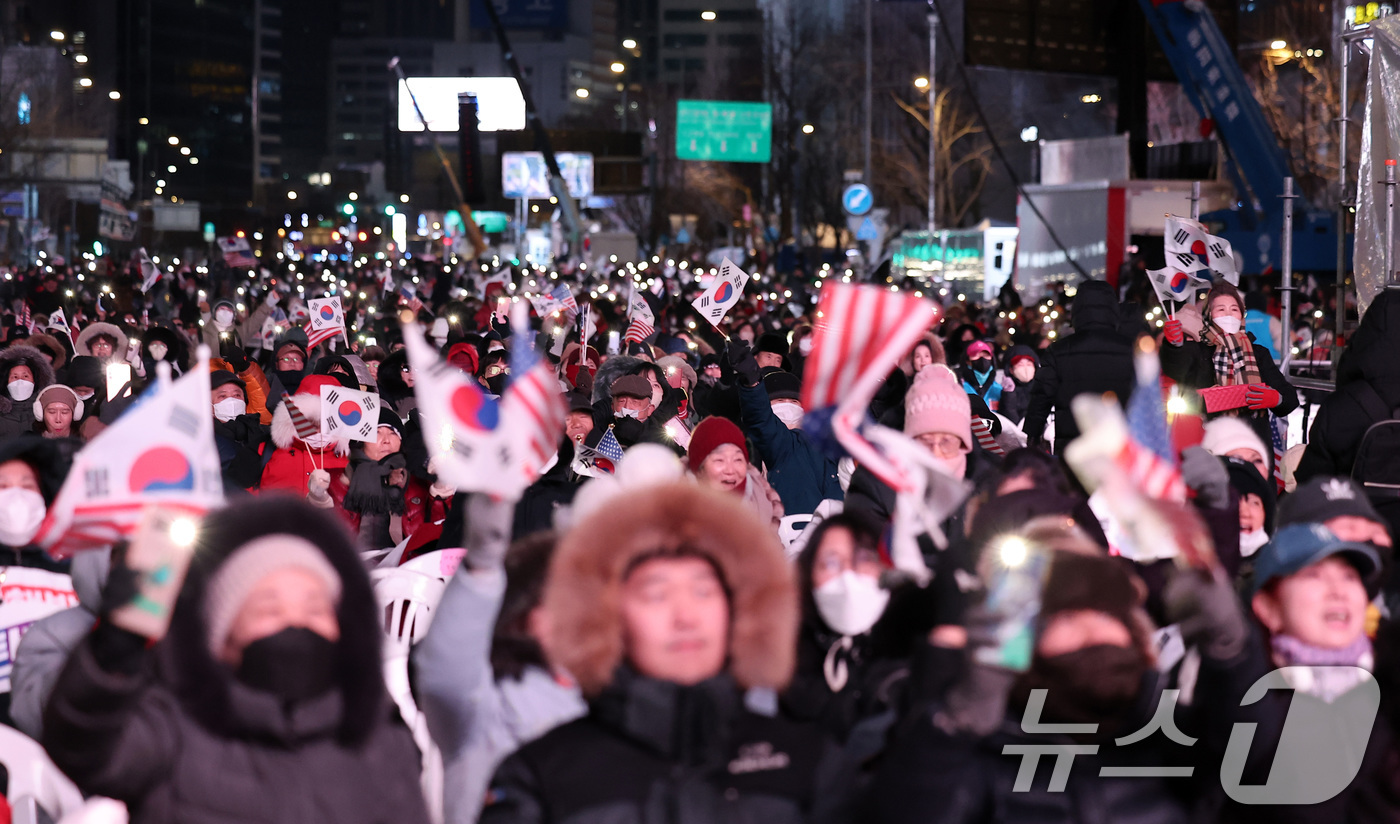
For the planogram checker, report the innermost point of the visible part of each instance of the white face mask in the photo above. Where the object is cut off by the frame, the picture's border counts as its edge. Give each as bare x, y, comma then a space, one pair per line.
21, 389
1024, 371
21, 512
804, 346
1229, 324
223, 317
628, 413
86, 397
851, 603
319, 441
229, 408
789, 413
158, 351
1250, 542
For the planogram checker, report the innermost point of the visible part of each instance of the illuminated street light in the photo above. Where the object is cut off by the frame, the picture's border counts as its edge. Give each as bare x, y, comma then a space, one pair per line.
114, 95
629, 43
808, 128
173, 140
1279, 44
403, 198
617, 67
57, 35
291, 195
185, 150
708, 16
85, 82
582, 93
921, 82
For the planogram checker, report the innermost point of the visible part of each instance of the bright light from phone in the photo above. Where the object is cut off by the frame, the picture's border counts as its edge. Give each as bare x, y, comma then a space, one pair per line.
182, 531
1013, 552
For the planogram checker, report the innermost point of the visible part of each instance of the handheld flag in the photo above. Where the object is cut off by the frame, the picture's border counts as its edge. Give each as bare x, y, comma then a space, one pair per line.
1148, 456
724, 292
1222, 259
1185, 244
861, 333
348, 414
237, 254
611, 449
532, 404
1278, 433
1173, 284
642, 321
149, 273
25, 319
163, 455
558, 300
58, 321
327, 321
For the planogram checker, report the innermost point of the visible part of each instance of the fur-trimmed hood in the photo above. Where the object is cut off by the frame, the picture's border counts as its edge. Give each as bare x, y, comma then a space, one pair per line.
203, 684
95, 329
584, 589
27, 356
612, 369
45, 342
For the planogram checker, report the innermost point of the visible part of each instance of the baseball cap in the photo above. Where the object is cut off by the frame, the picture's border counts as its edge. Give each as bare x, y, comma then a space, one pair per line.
1299, 546
1323, 499
979, 347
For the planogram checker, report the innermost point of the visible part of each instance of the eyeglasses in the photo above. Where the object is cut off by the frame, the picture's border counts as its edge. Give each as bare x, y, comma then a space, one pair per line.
941, 444
289, 359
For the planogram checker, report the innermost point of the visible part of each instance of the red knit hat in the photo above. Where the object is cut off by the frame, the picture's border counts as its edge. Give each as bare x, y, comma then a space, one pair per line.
464, 357
713, 432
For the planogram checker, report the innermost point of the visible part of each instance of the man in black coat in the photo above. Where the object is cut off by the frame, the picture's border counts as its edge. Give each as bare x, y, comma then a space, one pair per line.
1095, 359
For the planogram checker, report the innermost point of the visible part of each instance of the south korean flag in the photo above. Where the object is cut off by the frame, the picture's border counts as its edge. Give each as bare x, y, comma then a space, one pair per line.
725, 291
349, 415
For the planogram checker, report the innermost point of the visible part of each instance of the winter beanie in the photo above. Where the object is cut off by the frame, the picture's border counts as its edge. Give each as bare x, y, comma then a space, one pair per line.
230, 584
1224, 435
709, 436
936, 403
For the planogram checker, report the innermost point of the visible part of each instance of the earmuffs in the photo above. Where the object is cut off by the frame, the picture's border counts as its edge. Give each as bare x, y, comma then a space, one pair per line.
77, 409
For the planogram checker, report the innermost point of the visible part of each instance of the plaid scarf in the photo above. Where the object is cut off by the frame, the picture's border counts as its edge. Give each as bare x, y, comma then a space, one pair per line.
1234, 357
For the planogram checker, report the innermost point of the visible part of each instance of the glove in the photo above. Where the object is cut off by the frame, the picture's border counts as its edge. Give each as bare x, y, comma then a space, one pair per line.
742, 359
1007, 385
1205, 606
234, 354
1173, 333
1205, 473
273, 297
318, 488
1262, 396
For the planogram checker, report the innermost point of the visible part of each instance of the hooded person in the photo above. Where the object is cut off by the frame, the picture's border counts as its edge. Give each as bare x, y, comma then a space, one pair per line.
1227, 355
300, 466
32, 469
25, 372
719, 458
290, 364
1021, 365
1095, 359
395, 379
104, 341
664, 612
1091, 664
221, 327
265, 701
239, 435
49, 346
771, 412
160, 343
1258, 503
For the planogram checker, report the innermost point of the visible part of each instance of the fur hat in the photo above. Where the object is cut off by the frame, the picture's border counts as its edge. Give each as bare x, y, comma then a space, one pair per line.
48, 345
783, 386
937, 403
584, 591
94, 330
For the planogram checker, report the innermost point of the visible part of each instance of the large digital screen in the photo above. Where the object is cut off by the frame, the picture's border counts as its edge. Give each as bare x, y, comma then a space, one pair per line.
524, 175
500, 105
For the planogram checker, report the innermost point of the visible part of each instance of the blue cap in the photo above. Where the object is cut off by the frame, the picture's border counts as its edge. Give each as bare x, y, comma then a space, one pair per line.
1298, 546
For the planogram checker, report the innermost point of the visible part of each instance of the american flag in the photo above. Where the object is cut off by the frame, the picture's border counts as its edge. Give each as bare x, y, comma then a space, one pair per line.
409, 298
305, 427
982, 431
236, 252
25, 319
565, 297
641, 320
327, 321
609, 447
316, 337
1147, 455
1278, 433
533, 405
861, 332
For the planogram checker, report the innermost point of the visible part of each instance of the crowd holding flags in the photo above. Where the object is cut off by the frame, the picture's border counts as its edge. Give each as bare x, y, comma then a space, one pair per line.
237, 253
327, 321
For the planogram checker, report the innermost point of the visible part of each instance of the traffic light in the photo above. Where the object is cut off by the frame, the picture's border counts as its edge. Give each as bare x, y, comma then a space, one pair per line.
348, 208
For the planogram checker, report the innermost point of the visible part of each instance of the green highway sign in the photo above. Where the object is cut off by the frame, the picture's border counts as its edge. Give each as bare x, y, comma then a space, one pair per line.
724, 130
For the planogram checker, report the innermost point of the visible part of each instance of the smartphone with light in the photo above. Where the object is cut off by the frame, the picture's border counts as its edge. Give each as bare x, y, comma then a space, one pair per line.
614, 342
1015, 574
159, 554
118, 377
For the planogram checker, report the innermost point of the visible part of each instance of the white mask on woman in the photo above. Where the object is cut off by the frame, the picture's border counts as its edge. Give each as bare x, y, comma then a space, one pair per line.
319, 441
158, 351
851, 603
1229, 324
223, 318
21, 512
21, 389
1251, 541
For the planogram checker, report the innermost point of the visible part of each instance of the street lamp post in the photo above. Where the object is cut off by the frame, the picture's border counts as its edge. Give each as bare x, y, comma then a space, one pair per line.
932, 117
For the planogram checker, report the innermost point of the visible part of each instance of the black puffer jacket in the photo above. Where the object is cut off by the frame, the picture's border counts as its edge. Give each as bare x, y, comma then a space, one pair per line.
1190, 365
17, 417
1095, 359
1369, 365
175, 736
652, 751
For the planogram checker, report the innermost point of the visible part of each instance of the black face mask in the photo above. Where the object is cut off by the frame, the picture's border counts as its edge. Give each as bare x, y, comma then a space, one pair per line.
1096, 684
980, 365
291, 379
294, 664
497, 383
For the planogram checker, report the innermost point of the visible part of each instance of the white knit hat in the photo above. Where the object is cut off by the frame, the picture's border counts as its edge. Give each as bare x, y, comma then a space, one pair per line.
1225, 435
230, 584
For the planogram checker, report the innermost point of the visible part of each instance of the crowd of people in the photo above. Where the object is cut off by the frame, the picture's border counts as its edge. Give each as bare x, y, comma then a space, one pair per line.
693, 614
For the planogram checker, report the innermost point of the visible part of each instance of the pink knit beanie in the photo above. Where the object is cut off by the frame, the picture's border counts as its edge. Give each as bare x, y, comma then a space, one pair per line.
937, 403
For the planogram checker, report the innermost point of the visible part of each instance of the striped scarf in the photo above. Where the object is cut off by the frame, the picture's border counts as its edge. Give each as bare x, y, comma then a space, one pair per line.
1234, 357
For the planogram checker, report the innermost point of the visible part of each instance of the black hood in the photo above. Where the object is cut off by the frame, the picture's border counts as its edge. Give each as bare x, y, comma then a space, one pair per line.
207, 687
391, 383
1095, 306
1370, 354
